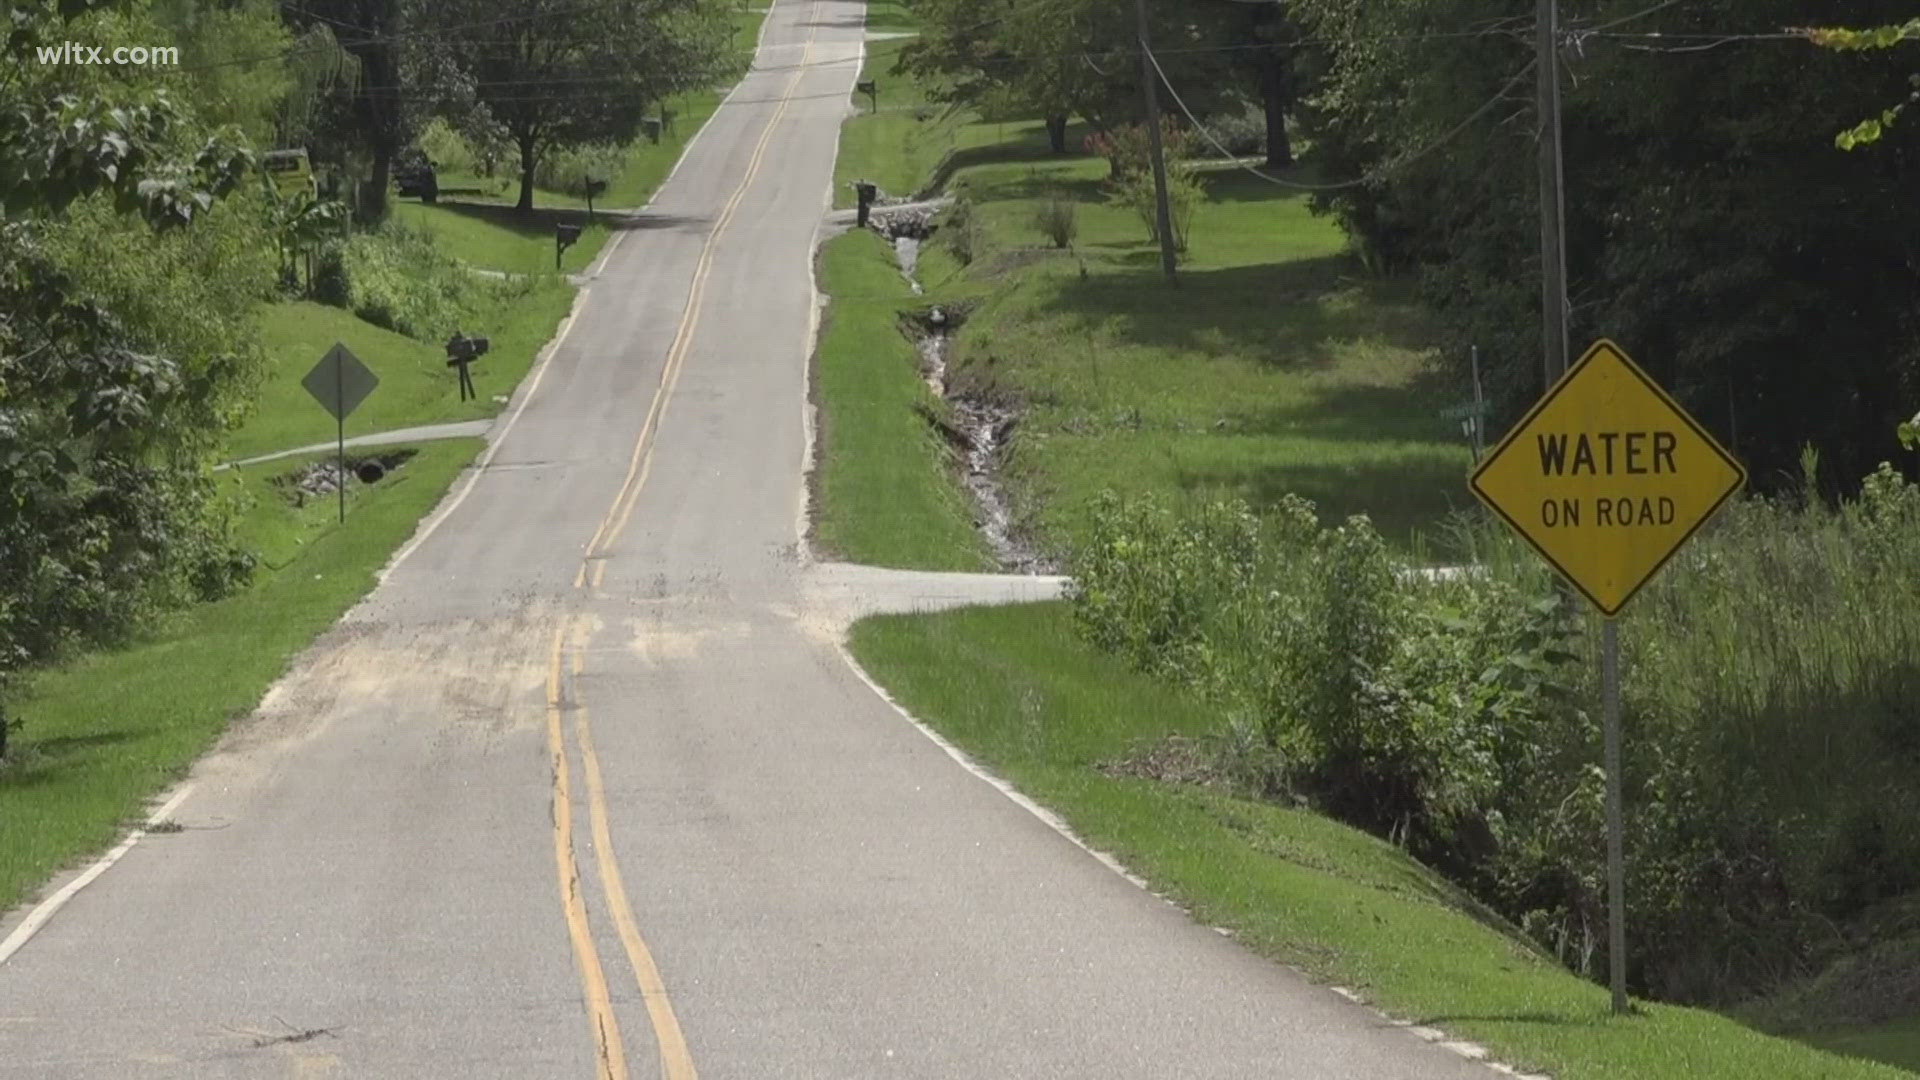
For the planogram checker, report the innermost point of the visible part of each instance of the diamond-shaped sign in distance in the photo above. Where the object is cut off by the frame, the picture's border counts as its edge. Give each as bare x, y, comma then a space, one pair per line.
1606, 477
340, 382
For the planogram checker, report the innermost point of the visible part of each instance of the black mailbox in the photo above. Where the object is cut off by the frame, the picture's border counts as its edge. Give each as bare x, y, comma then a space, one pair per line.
563, 238
462, 351
864, 192
865, 87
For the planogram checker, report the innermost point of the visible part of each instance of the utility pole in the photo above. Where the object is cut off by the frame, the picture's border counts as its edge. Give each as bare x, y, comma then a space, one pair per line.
1553, 196
1149, 79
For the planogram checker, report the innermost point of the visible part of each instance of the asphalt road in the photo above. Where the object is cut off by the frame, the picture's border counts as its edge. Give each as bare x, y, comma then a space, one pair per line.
586, 787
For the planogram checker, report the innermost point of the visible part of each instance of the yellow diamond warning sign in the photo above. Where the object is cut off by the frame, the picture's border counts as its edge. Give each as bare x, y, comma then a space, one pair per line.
1606, 477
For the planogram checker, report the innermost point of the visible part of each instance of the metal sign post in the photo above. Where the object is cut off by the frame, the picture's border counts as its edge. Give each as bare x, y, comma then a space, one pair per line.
1606, 476
1616, 827
340, 382
340, 439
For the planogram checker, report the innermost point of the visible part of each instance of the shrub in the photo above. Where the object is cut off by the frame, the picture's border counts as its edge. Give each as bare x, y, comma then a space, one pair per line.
445, 148
1130, 181
397, 278
961, 231
1243, 132
568, 170
1057, 218
1128, 150
1772, 770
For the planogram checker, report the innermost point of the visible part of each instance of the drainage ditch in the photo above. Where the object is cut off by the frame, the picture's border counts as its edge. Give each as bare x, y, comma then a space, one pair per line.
979, 426
323, 477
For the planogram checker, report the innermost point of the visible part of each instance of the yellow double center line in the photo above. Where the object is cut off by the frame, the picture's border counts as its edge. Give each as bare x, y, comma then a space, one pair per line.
642, 463
676, 1061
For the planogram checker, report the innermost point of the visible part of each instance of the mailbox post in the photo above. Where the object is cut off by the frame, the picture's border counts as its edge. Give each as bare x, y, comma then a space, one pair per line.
594, 187
564, 237
871, 88
462, 351
864, 192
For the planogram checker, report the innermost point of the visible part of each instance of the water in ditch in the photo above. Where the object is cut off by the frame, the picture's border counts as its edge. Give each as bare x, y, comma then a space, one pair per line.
980, 427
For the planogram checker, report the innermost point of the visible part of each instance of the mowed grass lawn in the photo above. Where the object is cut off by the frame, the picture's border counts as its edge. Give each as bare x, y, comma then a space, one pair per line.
1275, 366
98, 737
1017, 689
416, 386
883, 489
910, 143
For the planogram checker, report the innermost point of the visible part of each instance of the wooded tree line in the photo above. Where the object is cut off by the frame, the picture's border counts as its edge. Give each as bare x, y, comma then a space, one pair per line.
1715, 228
138, 235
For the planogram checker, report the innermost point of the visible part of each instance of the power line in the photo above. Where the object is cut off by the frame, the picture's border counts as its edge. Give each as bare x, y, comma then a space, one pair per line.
1367, 178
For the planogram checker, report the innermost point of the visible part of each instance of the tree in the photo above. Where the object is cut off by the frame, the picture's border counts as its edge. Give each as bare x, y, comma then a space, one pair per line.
1868, 131
382, 108
104, 507
1007, 58
1771, 283
563, 73
1266, 27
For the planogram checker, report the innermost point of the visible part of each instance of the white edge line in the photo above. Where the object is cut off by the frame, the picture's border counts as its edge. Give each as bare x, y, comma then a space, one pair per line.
45, 911
966, 762
494, 440
1469, 1050
814, 312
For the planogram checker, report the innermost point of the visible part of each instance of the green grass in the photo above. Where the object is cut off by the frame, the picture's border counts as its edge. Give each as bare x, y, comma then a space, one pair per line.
100, 736
416, 386
911, 140
1276, 366
495, 236
1896, 1043
1016, 688
884, 488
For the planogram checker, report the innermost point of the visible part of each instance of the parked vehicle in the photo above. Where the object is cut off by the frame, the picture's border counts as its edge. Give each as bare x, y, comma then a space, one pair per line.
414, 174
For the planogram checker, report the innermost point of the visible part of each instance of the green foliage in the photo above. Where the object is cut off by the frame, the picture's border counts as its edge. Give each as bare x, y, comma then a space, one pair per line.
1057, 217
1768, 692
398, 279
1010, 58
1131, 184
961, 232
234, 51
1703, 192
567, 169
560, 75
121, 357
1390, 708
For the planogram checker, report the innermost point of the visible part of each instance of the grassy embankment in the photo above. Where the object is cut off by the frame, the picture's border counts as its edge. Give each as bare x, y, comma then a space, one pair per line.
882, 492
1020, 691
101, 735
1276, 367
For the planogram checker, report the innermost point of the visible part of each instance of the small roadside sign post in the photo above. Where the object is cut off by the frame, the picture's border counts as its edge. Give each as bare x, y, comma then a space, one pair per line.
1606, 477
340, 382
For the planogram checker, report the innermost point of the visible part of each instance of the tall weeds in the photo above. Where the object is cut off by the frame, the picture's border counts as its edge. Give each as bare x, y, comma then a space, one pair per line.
1773, 736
